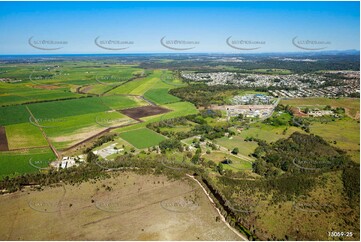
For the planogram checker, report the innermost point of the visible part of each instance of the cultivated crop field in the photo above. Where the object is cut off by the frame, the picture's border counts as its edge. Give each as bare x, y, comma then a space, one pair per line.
63, 104
142, 138
24, 161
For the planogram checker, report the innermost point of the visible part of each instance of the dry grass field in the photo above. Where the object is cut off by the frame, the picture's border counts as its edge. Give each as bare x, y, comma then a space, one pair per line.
124, 207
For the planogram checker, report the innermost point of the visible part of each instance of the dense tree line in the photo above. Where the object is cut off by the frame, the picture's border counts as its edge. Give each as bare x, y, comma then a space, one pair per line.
201, 128
298, 153
203, 95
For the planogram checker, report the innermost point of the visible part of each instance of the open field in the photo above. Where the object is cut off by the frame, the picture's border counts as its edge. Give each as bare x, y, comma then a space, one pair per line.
245, 148
122, 102
137, 208
229, 161
352, 105
268, 132
160, 96
345, 132
18, 93
59, 109
178, 109
25, 135
14, 115
139, 86
142, 138
12, 164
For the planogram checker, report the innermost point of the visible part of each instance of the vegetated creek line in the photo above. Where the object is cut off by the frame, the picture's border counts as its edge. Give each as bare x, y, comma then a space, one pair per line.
219, 212
44, 134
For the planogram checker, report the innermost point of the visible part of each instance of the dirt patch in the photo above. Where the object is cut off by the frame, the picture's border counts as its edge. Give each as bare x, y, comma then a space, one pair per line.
84, 89
78, 135
47, 87
298, 113
145, 111
4, 146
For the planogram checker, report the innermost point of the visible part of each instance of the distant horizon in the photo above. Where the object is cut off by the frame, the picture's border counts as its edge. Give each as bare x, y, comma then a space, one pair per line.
189, 53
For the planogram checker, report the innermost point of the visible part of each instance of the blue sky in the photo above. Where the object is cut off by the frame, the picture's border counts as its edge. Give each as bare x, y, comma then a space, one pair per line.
206, 24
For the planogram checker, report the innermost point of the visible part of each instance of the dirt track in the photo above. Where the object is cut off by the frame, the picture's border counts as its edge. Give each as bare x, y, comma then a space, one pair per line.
3, 140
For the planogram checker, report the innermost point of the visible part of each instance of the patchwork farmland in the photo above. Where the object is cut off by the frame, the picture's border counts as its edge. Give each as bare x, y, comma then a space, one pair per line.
58, 106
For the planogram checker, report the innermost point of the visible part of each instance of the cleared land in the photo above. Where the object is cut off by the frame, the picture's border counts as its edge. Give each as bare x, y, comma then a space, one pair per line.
268, 132
229, 161
352, 105
140, 112
245, 148
3, 140
136, 208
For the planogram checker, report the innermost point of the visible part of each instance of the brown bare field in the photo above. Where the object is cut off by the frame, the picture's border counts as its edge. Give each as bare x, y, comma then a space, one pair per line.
3, 140
124, 207
79, 136
47, 87
145, 111
296, 112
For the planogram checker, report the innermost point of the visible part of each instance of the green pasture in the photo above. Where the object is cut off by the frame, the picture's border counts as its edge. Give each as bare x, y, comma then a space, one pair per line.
160, 96
24, 135
16, 163
142, 138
